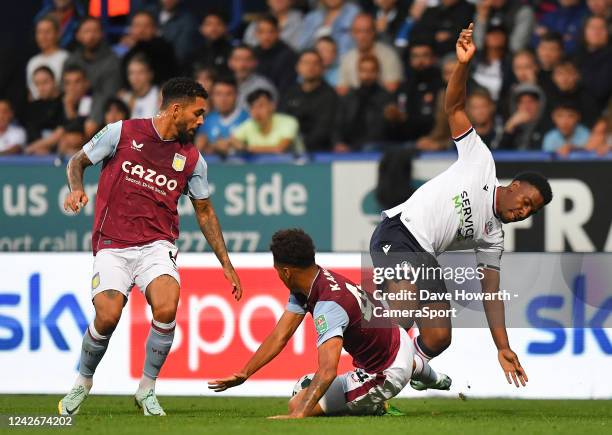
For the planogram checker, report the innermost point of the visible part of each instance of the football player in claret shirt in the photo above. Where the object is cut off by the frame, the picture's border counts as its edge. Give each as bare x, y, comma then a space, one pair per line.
383, 354
147, 164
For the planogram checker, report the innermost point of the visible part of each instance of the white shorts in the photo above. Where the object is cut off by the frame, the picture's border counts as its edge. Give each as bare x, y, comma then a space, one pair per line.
120, 269
360, 393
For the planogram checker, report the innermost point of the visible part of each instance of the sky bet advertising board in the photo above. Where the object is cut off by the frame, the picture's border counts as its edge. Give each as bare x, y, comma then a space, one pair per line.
558, 311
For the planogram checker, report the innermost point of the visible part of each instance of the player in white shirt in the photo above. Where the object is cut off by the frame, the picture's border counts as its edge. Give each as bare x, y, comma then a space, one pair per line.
462, 208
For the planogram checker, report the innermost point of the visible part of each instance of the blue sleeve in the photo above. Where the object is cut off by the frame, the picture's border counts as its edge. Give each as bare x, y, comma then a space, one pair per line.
294, 305
197, 186
330, 320
549, 144
104, 143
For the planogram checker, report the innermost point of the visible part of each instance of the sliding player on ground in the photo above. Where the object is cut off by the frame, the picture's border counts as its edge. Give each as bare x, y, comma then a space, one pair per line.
462, 208
147, 164
382, 352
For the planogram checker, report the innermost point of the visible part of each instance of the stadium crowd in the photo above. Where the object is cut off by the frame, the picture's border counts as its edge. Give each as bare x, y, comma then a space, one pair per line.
328, 75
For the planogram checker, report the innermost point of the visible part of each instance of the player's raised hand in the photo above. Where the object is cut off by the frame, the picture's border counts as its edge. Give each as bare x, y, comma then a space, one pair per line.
512, 367
75, 201
223, 384
232, 277
465, 45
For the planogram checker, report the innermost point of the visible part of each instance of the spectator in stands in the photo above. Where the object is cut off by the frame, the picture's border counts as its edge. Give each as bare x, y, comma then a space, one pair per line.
243, 63
525, 69
333, 19
509, 14
266, 131
566, 20
568, 134
364, 36
413, 112
393, 22
595, 60
600, 140
72, 139
12, 136
492, 67
326, 47
312, 102
443, 23
67, 14
439, 138
549, 52
214, 135
275, 59
76, 105
214, 46
289, 23
142, 38
51, 55
360, 119
568, 87
142, 97
115, 110
524, 129
100, 64
205, 76
480, 109
44, 114
178, 27
602, 8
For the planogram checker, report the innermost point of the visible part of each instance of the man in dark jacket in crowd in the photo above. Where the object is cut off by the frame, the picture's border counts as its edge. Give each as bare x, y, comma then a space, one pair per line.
313, 102
360, 118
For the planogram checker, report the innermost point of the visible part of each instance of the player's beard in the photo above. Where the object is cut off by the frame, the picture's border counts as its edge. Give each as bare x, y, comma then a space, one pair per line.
185, 136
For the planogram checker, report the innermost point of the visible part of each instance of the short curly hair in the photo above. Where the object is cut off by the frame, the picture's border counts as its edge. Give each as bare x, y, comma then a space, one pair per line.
181, 89
538, 181
293, 247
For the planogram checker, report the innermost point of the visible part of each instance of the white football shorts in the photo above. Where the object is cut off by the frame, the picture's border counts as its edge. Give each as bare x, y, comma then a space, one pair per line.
121, 269
360, 393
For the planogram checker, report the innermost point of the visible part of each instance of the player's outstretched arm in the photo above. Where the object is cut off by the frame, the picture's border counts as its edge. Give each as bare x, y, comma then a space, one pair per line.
496, 318
271, 346
454, 103
209, 225
76, 199
308, 399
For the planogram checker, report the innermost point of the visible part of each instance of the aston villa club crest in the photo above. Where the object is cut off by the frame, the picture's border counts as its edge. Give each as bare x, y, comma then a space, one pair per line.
178, 164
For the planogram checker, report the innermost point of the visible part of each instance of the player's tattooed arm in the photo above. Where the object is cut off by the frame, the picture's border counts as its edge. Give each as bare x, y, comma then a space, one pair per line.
209, 225
76, 199
308, 399
267, 351
496, 318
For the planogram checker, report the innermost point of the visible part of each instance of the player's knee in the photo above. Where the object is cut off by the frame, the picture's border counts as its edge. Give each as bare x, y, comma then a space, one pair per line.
441, 340
165, 312
106, 321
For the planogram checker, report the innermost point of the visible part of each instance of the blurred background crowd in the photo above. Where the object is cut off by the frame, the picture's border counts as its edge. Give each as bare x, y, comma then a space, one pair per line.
303, 76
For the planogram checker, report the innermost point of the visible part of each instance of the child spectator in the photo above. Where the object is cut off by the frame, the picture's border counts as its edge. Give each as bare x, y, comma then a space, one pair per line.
46, 113
568, 134
12, 137
266, 131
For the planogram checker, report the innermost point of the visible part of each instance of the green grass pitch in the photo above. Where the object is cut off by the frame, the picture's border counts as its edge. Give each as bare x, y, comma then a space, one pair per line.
247, 415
